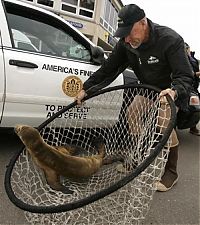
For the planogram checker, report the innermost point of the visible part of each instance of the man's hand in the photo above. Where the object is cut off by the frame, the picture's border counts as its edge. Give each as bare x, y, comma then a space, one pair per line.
168, 91
80, 96
197, 74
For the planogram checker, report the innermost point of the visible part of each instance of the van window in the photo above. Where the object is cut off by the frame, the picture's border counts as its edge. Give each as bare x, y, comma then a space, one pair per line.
42, 33
22, 41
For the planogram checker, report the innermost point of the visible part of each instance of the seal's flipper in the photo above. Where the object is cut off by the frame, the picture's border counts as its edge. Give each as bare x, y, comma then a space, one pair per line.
53, 180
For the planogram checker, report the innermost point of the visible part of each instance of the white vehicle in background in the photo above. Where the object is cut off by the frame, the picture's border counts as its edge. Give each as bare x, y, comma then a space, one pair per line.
43, 63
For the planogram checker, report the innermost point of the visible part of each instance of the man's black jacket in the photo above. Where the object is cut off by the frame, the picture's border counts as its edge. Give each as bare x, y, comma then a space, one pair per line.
161, 62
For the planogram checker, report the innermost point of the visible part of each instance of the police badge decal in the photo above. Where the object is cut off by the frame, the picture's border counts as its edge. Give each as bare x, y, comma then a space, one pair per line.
71, 85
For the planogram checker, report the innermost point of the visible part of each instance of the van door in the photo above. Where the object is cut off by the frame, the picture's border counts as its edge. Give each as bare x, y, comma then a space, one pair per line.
41, 80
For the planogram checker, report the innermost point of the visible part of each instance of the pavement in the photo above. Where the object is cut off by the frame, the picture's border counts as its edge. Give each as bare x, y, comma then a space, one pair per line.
179, 206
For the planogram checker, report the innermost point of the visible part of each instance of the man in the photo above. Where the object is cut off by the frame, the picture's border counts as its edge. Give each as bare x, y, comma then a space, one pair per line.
157, 56
195, 67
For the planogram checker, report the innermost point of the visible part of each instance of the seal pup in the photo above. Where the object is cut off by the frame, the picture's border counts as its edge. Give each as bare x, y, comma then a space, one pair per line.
56, 161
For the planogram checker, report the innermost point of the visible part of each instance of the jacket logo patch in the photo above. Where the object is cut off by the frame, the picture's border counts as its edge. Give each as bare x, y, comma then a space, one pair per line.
152, 60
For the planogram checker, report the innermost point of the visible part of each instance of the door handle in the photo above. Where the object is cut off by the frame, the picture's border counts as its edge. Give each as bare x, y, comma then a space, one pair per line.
21, 63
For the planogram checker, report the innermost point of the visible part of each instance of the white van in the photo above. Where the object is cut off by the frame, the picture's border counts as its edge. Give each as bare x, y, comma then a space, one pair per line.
42, 56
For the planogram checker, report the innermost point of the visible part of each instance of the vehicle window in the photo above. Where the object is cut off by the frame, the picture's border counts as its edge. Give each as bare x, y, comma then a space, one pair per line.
40, 35
26, 46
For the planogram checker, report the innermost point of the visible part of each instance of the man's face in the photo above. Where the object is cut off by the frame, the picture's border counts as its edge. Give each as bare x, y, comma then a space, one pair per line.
137, 35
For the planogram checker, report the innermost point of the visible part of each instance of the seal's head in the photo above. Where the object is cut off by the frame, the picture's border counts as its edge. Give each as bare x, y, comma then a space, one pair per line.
28, 135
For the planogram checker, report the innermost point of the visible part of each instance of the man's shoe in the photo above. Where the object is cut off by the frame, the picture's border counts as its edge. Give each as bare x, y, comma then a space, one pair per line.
195, 131
162, 188
170, 176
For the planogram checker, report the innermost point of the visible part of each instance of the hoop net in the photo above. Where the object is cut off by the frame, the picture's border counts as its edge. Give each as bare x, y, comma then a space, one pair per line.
132, 122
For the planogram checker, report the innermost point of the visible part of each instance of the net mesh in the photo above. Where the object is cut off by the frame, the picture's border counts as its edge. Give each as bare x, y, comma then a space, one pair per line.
131, 123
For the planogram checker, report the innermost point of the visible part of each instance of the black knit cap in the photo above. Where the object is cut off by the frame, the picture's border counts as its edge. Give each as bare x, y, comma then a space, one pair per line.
128, 15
